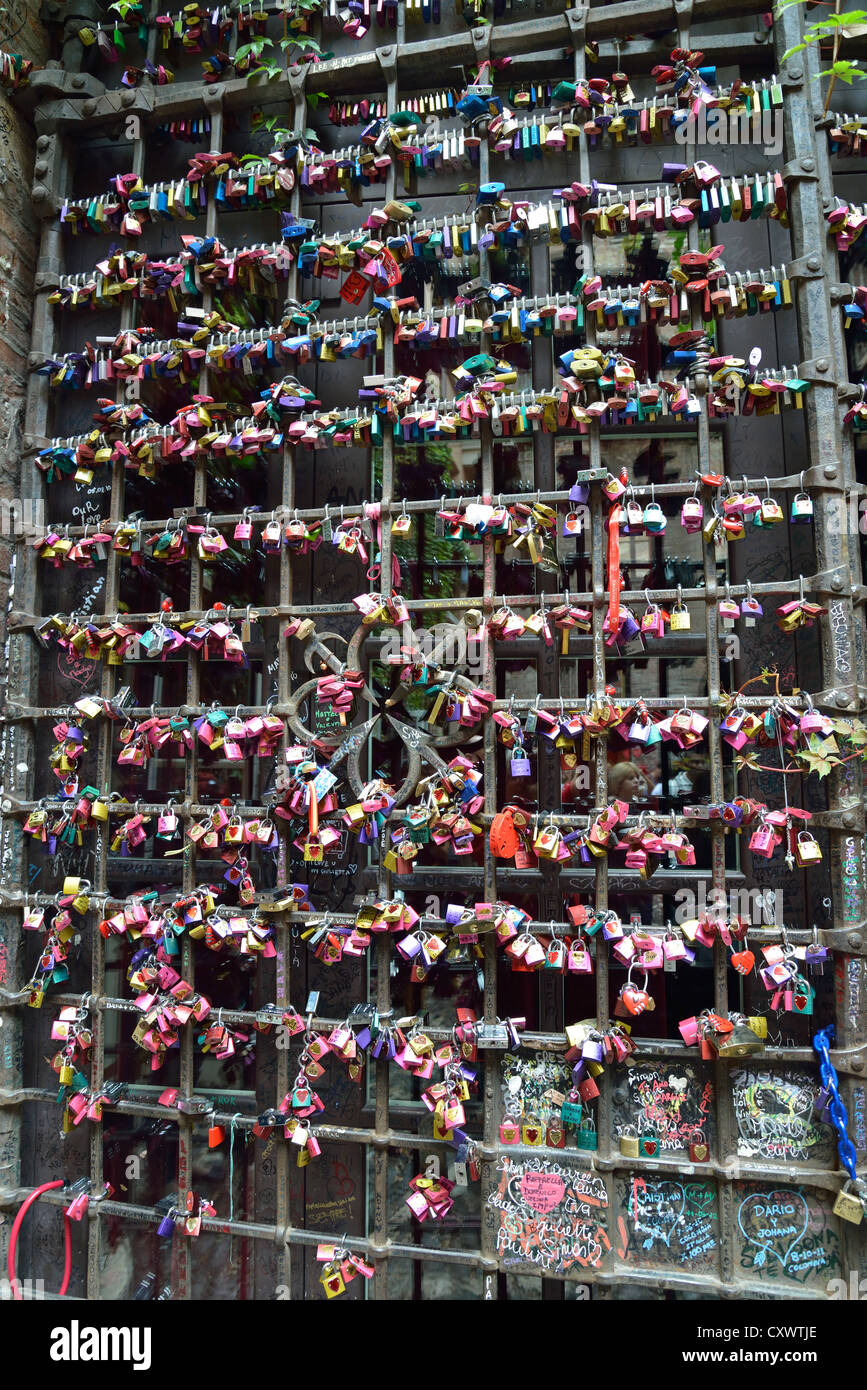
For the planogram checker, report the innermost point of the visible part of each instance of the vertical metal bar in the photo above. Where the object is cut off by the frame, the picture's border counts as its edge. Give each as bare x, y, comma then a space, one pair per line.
810, 190
388, 62
726, 1131
284, 694
836, 548
490, 1132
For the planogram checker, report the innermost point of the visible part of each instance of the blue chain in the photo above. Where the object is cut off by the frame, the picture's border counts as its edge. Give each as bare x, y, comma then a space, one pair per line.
845, 1148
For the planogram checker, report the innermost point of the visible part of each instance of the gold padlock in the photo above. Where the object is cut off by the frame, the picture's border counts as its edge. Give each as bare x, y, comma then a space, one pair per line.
629, 1142
849, 1205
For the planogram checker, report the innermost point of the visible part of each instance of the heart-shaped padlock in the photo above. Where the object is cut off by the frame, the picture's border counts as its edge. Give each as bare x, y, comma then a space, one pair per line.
743, 961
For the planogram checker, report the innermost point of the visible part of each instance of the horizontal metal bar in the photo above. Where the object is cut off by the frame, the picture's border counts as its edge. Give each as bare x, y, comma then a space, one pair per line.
19, 621
790, 483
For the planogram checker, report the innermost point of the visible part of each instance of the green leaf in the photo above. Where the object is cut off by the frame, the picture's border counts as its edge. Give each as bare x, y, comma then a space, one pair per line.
798, 48
845, 71
841, 20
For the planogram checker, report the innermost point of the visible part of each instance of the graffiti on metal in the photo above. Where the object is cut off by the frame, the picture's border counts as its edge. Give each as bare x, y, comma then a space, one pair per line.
551, 1216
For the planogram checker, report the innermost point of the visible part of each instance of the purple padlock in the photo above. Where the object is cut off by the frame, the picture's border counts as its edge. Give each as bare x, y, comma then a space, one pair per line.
166, 1226
822, 1104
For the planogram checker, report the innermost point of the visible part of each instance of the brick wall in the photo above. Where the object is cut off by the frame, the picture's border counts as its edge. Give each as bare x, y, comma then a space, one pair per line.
20, 32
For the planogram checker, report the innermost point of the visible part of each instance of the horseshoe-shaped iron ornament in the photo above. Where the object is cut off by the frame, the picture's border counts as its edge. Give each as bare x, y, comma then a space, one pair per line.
420, 746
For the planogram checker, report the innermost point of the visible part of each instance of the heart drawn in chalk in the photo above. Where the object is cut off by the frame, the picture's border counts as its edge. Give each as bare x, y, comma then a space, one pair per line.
542, 1191
774, 1222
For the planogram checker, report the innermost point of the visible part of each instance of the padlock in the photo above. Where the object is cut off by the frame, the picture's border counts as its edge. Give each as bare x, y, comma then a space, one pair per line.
848, 1205
571, 1109
555, 1136
332, 1280
585, 1136
509, 1131
807, 849
698, 1148
629, 1142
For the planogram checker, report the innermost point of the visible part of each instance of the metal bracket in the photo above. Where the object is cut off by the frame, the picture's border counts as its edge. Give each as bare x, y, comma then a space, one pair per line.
817, 371
131, 101
836, 583
841, 697
843, 818
803, 168
387, 59
850, 940
297, 76
825, 478
810, 267
839, 294
481, 43
577, 21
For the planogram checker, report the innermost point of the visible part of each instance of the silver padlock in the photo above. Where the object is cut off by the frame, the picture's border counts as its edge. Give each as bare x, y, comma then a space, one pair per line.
492, 1035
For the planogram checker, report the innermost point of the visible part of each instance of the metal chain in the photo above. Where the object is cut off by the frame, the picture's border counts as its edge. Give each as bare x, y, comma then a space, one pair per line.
845, 1148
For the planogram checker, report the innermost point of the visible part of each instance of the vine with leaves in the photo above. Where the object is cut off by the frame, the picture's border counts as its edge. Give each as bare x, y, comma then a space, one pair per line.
830, 29
822, 753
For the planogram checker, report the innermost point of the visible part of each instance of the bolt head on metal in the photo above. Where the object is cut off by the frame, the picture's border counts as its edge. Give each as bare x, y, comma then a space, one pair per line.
808, 163
836, 582
830, 470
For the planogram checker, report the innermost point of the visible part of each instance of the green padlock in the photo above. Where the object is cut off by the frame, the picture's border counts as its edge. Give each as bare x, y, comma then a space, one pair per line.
586, 1136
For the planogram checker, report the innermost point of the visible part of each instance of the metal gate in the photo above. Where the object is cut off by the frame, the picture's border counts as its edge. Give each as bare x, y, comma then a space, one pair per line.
442, 495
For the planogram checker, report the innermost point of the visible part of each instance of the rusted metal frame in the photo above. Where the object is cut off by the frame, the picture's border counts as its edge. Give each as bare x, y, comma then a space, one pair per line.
489, 1060
781, 588
23, 668
598, 598
548, 668
355, 71
546, 702
105, 771
542, 927
726, 1129
849, 1060
386, 60
790, 483
182, 1264
411, 1142
283, 967
811, 191
662, 1279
